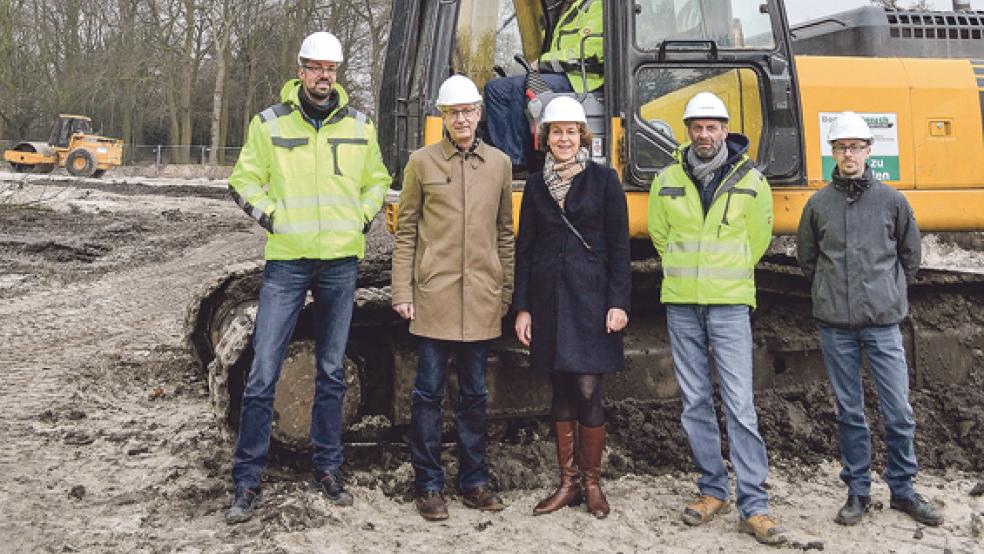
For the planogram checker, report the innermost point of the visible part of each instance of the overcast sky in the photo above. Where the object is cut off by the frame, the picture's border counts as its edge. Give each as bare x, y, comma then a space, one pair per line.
801, 10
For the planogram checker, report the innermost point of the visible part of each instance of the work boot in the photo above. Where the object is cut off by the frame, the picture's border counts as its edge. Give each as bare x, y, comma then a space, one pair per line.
704, 509
569, 491
763, 529
244, 503
431, 505
331, 485
852, 510
482, 498
591, 444
918, 509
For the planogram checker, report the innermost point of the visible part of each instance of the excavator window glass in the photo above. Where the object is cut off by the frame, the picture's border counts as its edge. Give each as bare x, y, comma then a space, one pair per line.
732, 24
663, 92
487, 36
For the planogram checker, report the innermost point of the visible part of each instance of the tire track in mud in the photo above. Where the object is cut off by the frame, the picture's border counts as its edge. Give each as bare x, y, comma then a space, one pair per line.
50, 335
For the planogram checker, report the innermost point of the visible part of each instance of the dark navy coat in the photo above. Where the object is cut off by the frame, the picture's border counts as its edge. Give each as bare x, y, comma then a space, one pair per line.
567, 289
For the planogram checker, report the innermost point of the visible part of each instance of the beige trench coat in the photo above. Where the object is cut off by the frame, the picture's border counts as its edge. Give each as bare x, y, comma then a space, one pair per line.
453, 249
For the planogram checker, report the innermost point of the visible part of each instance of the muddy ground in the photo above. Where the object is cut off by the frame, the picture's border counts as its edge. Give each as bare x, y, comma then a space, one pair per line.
112, 445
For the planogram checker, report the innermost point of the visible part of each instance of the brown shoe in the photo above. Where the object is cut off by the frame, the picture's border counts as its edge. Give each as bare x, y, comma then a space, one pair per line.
591, 444
763, 529
569, 491
703, 510
431, 505
482, 498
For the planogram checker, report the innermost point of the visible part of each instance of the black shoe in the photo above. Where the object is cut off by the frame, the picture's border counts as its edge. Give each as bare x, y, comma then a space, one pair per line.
852, 510
331, 485
918, 509
431, 505
243, 505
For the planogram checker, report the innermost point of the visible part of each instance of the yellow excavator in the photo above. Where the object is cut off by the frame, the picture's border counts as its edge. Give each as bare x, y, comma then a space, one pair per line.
916, 77
72, 146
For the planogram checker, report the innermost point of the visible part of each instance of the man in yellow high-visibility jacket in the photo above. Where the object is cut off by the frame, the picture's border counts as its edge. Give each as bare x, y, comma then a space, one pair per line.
560, 66
311, 174
710, 218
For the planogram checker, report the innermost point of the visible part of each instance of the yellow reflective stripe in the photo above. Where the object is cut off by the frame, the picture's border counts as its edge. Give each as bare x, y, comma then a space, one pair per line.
692, 246
317, 226
262, 205
709, 273
297, 202
375, 195
360, 128
250, 189
274, 127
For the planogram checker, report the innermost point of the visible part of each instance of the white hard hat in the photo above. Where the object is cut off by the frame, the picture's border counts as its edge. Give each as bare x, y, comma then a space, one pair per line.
321, 46
705, 105
564, 108
457, 89
849, 125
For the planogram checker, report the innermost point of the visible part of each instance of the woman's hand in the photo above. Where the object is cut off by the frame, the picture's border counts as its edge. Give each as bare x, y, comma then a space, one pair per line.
524, 327
616, 321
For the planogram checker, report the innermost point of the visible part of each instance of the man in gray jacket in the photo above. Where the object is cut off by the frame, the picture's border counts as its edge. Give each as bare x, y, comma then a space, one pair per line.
859, 245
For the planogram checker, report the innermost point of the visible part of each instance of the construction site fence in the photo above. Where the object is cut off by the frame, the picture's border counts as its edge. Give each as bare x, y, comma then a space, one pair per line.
159, 155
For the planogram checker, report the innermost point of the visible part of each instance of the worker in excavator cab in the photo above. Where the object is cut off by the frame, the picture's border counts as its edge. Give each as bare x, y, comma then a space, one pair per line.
560, 66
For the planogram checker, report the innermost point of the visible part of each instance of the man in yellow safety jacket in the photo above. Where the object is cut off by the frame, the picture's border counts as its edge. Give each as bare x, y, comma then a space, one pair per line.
710, 218
560, 66
311, 174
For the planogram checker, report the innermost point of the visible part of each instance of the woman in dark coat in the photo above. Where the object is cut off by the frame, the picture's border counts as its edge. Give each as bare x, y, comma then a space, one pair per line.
572, 294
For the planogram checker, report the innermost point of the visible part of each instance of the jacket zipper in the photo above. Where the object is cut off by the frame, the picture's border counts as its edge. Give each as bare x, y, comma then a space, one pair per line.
464, 227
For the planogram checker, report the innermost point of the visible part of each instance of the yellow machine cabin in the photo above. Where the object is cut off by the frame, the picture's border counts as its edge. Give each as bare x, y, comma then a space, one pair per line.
912, 75
72, 146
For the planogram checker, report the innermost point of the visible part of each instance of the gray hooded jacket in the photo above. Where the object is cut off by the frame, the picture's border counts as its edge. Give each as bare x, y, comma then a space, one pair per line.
859, 252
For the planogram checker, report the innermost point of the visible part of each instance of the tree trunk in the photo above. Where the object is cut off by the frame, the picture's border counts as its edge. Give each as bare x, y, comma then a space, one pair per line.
218, 96
224, 126
188, 72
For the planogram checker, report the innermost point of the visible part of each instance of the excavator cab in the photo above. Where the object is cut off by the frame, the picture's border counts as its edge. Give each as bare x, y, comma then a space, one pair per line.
658, 54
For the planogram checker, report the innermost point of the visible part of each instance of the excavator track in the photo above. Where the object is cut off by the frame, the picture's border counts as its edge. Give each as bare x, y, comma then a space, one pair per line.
944, 338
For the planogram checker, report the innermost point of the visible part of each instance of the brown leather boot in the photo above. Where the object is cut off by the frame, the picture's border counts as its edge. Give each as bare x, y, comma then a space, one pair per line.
569, 490
591, 444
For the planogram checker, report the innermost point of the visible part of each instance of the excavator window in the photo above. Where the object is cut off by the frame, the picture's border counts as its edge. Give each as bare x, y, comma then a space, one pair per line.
664, 91
489, 38
729, 23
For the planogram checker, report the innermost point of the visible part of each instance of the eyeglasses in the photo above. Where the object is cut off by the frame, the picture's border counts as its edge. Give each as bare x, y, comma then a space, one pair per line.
465, 113
853, 149
316, 70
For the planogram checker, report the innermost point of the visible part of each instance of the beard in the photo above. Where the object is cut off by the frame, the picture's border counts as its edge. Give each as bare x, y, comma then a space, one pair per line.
318, 96
709, 151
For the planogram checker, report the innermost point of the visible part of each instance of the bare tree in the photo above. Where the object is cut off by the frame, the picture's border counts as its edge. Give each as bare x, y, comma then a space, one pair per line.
176, 72
220, 14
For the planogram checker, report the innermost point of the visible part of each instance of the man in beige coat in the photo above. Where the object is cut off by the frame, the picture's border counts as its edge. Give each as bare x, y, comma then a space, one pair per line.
453, 279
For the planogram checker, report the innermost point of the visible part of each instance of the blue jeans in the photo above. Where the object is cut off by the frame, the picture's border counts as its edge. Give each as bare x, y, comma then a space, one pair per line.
282, 295
726, 333
426, 417
886, 356
505, 113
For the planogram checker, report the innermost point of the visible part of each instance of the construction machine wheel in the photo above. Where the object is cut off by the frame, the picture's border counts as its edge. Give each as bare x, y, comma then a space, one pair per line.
22, 168
44, 168
81, 163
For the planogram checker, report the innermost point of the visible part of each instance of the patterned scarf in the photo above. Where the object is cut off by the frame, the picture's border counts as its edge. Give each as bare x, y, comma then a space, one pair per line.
559, 175
703, 170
